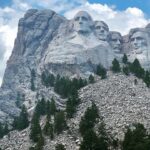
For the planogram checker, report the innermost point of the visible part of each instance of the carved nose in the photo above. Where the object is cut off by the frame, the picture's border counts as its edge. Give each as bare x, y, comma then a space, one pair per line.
135, 42
80, 21
118, 42
102, 31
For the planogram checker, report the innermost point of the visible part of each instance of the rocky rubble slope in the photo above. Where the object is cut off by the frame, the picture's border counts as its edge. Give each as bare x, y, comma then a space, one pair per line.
120, 101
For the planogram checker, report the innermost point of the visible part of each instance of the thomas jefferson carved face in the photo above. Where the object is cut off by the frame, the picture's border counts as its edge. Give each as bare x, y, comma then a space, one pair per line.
138, 41
101, 30
82, 22
116, 41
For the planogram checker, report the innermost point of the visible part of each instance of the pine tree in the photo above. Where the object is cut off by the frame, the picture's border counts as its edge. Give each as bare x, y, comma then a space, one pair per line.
103, 137
35, 128
125, 59
90, 141
91, 79
60, 147
48, 129
89, 119
115, 66
6, 129
48, 109
126, 70
136, 68
101, 71
22, 121
147, 78
32, 79
41, 107
1, 131
40, 143
43, 78
51, 80
59, 122
70, 107
136, 138
53, 106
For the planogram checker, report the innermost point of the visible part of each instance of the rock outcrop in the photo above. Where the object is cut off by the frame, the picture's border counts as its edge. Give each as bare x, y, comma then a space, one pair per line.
48, 41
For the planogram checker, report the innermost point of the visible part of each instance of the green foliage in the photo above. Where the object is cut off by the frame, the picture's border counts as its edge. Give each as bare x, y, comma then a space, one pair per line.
125, 59
52, 107
40, 143
147, 78
32, 79
19, 100
6, 129
22, 121
62, 85
47, 79
101, 71
60, 147
126, 70
91, 79
115, 66
48, 129
3, 130
136, 138
36, 132
71, 105
90, 141
40, 108
59, 122
136, 68
103, 137
89, 119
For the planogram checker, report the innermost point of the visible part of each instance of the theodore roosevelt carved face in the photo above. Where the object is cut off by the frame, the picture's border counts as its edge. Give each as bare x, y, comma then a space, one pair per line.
116, 41
82, 22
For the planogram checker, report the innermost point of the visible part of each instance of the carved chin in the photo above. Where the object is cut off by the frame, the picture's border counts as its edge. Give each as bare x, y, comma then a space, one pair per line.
117, 50
139, 51
102, 38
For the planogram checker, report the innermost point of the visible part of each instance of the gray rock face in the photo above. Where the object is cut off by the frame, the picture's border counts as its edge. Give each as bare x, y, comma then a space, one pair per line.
48, 41
35, 31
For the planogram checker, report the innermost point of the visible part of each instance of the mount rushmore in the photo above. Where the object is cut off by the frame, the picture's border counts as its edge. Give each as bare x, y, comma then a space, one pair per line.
49, 42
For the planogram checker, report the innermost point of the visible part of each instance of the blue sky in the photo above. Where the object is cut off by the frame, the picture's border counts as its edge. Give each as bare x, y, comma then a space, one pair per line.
4, 3
120, 15
144, 5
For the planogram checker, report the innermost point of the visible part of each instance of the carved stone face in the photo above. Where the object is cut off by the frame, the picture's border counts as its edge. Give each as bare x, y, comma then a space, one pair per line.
138, 41
82, 22
116, 42
101, 30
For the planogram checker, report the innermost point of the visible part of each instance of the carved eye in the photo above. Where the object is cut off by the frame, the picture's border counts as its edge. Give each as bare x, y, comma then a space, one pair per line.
77, 19
139, 38
114, 40
132, 39
84, 18
98, 27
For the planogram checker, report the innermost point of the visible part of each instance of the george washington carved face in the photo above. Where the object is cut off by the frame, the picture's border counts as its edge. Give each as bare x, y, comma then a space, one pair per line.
83, 22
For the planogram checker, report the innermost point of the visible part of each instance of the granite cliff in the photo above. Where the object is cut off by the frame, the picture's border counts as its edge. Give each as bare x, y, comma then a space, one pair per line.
49, 42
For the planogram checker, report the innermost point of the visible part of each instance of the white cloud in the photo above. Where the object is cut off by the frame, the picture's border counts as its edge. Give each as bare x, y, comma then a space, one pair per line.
121, 21
117, 20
